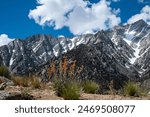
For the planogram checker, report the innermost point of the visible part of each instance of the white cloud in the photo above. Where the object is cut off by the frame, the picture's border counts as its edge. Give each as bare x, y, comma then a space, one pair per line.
4, 39
75, 14
115, 0
144, 14
143, 1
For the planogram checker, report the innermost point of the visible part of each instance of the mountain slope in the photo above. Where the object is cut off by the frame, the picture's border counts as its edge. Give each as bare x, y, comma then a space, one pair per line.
119, 53
133, 40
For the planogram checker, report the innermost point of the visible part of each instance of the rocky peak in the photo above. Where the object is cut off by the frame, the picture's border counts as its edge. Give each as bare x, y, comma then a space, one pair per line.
138, 26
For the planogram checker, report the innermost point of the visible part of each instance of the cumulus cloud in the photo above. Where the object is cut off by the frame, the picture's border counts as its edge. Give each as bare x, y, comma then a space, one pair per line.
144, 14
79, 16
4, 39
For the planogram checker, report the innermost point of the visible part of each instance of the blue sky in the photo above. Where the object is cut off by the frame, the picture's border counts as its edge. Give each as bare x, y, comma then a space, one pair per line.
17, 21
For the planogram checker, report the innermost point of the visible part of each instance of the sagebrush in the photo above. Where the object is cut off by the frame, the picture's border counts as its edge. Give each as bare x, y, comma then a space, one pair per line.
90, 86
133, 89
4, 72
69, 90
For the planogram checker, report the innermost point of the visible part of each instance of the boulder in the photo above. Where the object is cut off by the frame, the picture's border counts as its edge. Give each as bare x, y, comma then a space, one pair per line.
4, 82
146, 86
3, 86
4, 95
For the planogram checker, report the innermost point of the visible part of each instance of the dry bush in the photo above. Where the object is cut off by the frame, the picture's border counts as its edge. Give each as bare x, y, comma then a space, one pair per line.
21, 81
65, 77
32, 81
111, 87
44, 86
64, 70
35, 82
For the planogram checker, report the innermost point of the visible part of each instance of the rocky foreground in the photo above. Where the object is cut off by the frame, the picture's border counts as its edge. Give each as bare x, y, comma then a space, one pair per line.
10, 91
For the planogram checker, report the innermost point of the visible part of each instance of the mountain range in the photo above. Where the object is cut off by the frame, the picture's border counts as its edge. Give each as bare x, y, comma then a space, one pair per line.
121, 53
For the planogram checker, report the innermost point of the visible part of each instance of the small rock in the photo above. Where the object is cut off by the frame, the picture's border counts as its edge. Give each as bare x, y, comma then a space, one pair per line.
3, 79
4, 95
146, 85
3, 86
10, 83
5, 82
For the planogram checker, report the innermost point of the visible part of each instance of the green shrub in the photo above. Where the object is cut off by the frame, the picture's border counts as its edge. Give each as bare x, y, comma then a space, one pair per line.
4, 72
69, 90
90, 86
131, 89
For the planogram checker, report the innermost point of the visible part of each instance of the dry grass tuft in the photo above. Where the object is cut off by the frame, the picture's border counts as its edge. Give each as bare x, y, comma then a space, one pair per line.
32, 81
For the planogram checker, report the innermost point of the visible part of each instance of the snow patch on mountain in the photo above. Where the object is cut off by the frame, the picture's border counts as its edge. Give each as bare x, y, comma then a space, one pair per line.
130, 35
127, 41
114, 39
136, 53
11, 61
56, 50
73, 43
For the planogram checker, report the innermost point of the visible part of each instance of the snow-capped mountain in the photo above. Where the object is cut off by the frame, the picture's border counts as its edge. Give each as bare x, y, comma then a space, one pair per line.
119, 52
134, 42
